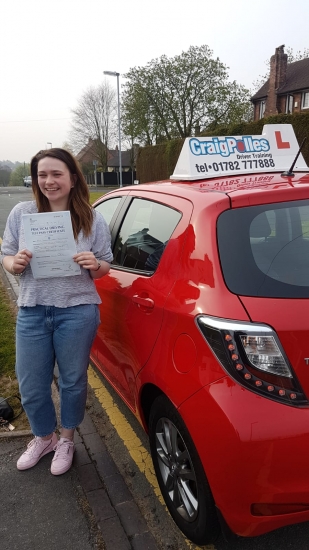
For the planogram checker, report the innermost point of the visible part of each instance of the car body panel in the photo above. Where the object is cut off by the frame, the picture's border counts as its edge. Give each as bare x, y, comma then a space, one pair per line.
261, 453
132, 312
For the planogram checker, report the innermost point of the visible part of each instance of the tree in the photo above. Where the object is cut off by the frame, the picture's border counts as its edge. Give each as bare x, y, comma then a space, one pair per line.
67, 146
95, 118
296, 56
292, 57
179, 96
18, 175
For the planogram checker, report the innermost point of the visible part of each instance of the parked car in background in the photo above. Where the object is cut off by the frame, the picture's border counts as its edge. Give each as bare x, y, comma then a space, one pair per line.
205, 328
28, 181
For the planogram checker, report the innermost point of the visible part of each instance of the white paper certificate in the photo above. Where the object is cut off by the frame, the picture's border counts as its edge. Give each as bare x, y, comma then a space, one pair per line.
49, 236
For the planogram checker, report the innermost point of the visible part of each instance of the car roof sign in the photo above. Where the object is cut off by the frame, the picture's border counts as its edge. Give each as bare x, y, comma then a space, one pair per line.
210, 157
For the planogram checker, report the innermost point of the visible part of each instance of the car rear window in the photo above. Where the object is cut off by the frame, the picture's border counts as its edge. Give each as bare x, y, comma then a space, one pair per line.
264, 250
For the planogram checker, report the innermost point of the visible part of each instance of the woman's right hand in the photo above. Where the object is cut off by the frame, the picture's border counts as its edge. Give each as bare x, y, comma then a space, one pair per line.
20, 261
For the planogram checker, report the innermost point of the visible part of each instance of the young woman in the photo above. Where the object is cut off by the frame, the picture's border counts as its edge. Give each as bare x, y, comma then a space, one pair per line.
58, 316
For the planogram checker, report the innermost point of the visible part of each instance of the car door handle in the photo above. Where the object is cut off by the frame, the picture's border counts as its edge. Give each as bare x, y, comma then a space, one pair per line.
145, 302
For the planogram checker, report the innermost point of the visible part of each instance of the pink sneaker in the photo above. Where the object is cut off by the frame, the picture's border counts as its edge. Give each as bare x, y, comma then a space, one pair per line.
37, 448
63, 457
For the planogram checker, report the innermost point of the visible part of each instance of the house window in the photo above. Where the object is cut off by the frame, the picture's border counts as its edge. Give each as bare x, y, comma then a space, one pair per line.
305, 100
289, 104
262, 109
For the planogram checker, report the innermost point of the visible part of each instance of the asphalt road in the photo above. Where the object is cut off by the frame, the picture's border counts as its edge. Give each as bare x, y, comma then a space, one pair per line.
123, 451
9, 196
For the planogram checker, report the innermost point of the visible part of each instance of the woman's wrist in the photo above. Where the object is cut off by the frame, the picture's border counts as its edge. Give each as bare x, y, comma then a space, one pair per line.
99, 266
101, 270
11, 270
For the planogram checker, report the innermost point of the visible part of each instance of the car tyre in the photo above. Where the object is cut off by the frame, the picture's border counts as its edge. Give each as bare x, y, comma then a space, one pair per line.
180, 474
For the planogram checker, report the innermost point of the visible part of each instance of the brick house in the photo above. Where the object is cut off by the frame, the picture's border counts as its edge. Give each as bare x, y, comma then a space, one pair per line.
286, 90
89, 153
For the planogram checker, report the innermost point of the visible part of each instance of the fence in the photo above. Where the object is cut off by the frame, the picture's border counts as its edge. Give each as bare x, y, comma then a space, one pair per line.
111, 179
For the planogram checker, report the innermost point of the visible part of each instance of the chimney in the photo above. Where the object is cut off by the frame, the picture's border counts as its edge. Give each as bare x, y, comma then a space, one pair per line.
277, 76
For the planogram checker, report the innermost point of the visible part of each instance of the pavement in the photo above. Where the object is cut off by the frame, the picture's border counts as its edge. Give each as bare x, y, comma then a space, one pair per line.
88, 508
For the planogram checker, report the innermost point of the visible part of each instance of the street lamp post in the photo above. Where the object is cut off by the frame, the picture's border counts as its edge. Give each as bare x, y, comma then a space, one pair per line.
112, 73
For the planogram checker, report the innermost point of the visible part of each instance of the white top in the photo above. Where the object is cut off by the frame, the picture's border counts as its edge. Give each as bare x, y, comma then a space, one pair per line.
57, 291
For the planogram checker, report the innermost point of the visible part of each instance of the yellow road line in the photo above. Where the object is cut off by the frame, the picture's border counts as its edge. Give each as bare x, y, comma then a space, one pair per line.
134, 445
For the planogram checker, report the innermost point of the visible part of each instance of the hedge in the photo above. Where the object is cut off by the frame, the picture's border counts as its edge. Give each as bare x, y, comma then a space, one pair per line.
157, 162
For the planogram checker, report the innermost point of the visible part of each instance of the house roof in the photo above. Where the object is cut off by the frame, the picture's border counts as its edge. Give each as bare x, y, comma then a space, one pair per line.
297, 78
88, 154
113, 160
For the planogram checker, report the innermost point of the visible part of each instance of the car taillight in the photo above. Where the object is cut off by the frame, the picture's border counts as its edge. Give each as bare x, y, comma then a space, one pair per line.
253, 356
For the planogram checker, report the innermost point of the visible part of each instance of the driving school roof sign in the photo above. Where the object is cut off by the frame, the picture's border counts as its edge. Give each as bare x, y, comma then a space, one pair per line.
210, 157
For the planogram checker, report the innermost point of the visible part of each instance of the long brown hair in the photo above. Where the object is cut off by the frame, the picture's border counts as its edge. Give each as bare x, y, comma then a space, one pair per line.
78, 201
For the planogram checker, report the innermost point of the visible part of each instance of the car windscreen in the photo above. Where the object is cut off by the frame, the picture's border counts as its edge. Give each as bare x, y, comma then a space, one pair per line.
264, 250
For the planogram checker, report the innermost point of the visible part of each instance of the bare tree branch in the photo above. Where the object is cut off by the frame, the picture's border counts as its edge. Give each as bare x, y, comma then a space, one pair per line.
95, 118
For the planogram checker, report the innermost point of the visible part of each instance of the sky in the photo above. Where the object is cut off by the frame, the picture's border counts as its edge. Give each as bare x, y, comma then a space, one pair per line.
52, 52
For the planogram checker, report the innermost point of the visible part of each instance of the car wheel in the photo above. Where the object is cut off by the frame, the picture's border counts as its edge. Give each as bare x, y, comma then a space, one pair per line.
180, 474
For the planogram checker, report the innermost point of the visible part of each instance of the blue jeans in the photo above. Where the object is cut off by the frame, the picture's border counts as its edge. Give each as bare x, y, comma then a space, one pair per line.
45, 334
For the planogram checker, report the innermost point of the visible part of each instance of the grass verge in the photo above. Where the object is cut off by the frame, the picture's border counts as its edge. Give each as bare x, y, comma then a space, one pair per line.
7, 331
95, 195
8, 381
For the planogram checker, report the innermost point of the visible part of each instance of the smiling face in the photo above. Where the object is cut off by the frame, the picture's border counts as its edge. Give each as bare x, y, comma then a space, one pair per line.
55, 182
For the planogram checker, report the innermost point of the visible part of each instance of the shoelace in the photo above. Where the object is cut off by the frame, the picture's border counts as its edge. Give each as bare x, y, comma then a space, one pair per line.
34, 443
62, 448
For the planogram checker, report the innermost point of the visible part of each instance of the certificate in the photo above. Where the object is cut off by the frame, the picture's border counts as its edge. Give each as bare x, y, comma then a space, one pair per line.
49, 236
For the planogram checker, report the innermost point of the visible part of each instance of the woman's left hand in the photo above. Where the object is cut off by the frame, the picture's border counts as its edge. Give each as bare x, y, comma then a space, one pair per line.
87, 260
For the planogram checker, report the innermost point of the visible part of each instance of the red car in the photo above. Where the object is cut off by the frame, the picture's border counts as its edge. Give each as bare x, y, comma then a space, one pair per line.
204, 330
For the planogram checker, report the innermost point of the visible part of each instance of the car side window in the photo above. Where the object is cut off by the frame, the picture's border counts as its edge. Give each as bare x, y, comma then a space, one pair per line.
144, 233
108, 208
